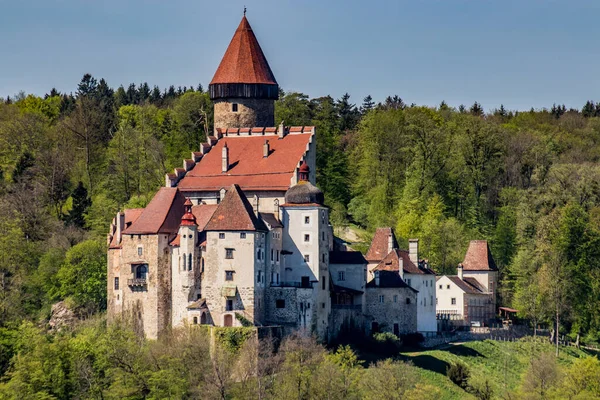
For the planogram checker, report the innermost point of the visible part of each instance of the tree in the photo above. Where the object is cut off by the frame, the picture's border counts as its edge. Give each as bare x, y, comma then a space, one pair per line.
367, 104
82, 277
81, 204
541, 377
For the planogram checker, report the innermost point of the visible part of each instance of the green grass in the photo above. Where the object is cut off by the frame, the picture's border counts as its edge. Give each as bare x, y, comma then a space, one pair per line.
502, 363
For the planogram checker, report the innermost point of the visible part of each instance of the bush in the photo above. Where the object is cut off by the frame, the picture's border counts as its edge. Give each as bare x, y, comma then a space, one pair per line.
385, 343
412, 339
459, 374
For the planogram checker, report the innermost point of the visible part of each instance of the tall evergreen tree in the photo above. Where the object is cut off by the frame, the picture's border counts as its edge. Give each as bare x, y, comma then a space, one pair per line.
81, 204
88, 86
26, 161
367, 104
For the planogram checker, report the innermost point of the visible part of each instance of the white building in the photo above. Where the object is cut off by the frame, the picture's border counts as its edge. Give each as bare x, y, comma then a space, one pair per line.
469, 298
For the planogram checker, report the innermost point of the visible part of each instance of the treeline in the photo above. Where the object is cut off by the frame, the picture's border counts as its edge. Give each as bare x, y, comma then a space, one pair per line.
526, 181
96, 361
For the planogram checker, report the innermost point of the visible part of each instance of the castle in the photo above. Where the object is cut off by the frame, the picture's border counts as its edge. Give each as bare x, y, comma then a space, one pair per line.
240, 234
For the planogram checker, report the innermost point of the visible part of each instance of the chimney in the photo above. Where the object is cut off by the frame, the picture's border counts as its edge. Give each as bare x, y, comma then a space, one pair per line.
255, 205
281, 130
459, 271
225, 159
266, 149
376, 278
401, 267
222, 193
413, 251
120, 225
390, 242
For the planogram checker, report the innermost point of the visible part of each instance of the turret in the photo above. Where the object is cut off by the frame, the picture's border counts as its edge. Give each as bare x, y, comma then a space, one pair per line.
244, 88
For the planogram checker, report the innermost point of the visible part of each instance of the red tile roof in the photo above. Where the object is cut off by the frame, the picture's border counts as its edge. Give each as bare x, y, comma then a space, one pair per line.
380, 245
392, 260
244, 60
464, 286
234, 213
161, 215
203, 212
131, 215
248, 168
479, 257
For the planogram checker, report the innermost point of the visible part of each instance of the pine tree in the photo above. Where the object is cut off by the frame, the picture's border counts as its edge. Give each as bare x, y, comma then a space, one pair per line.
144, 92
121, 97
25, 162
200, 88
367, 104
462, 109
155, 96
88, 86
347, 112
476, 109
132, 94
81, 203
588, 109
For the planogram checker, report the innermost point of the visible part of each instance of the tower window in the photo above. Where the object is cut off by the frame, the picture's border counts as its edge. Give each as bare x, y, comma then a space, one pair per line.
229, 254
306, 258
190, 262
280, 303
307, 220
381, 298
229, 275
221, 235
116, 283
453, 301
243, 235
307, 238
140, 250
234, 107
408, 300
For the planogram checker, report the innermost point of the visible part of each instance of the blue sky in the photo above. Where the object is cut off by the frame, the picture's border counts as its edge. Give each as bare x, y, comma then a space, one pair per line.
520, 53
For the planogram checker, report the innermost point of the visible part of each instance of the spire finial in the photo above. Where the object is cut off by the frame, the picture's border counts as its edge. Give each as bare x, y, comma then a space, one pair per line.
244, 11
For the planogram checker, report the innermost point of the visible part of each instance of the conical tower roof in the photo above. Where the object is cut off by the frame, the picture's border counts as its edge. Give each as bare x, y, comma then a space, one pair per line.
244, 60
244, 70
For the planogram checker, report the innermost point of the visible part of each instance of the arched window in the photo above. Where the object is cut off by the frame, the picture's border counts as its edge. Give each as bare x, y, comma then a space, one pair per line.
190, 262
141, 272
184, 261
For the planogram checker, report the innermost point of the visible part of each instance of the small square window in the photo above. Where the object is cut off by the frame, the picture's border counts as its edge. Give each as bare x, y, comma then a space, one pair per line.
229, 254
280, 303
307, 238
381, 298
221, 235
234, 107
453, 301
306, 258
229, 275
307, 220
243, 235
408, 300
441, 286
140, 250
447, 286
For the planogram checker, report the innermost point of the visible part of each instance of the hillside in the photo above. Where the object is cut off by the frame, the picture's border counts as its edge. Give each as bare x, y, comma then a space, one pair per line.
503, 364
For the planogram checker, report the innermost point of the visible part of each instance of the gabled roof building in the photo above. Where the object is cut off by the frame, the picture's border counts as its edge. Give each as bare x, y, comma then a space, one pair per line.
240, 234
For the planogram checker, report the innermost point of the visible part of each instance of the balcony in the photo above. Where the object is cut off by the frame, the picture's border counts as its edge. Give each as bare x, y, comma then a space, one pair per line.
137, 282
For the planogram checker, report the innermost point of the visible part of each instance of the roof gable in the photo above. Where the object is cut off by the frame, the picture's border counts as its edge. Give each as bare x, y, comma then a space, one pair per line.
161, 215
234, 213
380, 247
392, 261
463, 285
244, 60
479, 257
203, 212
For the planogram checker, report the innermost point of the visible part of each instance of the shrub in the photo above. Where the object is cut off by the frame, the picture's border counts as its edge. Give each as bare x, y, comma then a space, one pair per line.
412, 339
459, 374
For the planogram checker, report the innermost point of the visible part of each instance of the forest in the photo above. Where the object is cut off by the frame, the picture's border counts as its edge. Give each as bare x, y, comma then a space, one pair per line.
527, 181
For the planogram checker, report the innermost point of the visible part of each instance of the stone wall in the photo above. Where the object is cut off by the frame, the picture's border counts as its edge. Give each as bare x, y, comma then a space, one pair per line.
149, 304
250, 113
393, 310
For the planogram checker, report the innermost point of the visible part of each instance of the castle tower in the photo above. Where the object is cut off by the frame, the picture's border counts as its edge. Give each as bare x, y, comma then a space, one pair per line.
244, 89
